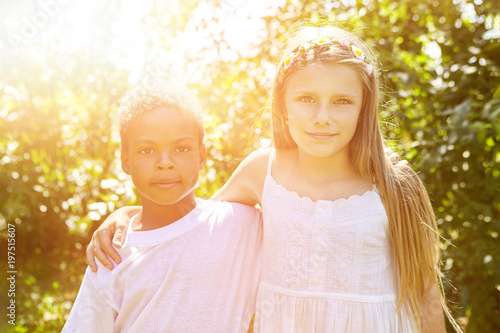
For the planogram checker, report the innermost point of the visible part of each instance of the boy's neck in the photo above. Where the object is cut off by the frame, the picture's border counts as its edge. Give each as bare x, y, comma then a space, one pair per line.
154, 216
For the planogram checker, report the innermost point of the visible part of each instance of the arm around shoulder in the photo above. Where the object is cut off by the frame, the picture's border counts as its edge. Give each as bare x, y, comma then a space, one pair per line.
247, 181
112, 230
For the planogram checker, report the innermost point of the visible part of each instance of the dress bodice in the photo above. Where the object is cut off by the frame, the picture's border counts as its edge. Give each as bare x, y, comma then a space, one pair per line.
326, 265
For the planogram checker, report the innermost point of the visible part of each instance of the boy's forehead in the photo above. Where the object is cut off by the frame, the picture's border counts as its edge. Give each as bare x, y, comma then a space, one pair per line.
163, 123
169, 115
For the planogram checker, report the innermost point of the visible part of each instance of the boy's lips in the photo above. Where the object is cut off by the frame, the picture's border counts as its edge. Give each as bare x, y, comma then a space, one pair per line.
166, 183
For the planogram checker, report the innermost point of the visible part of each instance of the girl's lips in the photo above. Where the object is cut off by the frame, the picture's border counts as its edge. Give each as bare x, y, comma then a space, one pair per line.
321, 136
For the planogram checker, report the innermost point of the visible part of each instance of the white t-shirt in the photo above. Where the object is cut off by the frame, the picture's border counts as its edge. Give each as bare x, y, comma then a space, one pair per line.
198, 274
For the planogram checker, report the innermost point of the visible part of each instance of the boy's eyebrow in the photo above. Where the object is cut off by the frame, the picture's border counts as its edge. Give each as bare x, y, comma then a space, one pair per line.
178, 139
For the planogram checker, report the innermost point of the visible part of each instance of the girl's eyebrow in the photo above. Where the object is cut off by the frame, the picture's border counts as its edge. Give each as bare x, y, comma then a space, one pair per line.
313, 91
349, 95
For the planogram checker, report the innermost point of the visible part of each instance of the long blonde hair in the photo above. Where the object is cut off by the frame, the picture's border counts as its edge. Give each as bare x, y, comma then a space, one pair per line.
413, 233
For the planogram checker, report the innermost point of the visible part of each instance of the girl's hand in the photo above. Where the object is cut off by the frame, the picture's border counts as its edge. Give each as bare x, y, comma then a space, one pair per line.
432, 320
113, 228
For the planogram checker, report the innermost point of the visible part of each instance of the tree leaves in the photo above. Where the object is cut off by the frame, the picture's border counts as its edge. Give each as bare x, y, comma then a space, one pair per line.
59, 152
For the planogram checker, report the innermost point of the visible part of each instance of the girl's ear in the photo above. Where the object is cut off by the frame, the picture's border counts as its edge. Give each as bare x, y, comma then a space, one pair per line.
124, 159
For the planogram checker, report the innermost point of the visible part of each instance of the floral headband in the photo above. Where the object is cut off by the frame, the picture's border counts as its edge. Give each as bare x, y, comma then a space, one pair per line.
304, 47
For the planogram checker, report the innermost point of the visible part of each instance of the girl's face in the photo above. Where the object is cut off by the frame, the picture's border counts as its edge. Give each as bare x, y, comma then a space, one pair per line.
323, 103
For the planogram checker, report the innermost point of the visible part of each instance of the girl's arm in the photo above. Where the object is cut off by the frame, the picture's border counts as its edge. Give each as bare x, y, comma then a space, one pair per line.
113, 228
246, 183
244, 186
432, 319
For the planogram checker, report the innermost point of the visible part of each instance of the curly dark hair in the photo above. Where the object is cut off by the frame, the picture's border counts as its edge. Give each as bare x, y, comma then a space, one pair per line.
143, 99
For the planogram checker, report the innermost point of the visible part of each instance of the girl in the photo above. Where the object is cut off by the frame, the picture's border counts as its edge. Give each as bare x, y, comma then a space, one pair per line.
350, 240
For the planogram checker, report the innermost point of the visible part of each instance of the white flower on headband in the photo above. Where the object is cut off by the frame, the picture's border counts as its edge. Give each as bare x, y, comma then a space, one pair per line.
322, 41
304, 47
289, 61
358, 53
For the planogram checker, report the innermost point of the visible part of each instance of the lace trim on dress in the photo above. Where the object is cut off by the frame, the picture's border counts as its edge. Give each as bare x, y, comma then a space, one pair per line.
292, 195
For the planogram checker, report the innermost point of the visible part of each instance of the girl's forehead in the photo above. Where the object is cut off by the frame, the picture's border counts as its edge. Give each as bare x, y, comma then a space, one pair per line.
325, 77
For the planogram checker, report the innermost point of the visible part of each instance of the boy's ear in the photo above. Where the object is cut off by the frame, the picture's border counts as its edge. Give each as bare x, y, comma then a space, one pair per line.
203, 156
124, 159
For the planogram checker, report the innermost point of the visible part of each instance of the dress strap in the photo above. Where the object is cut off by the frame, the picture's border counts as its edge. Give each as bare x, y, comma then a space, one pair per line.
270, 162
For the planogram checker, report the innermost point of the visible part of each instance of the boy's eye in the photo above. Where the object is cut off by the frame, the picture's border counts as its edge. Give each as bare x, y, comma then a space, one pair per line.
306, 99
183, 149
146, 151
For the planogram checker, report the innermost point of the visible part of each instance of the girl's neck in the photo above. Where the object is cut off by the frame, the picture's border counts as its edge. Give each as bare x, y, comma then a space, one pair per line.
318, 178
324, 169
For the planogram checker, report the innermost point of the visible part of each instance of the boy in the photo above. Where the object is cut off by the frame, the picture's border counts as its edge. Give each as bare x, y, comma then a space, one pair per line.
188, 265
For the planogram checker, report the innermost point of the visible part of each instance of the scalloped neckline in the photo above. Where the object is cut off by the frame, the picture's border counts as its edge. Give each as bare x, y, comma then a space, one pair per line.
294, 195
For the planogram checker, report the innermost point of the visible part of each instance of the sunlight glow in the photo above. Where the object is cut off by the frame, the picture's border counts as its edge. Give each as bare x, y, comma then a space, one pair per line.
129, 40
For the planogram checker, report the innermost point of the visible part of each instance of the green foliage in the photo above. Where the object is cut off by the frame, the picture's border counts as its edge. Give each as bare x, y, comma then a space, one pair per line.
441, 76
58, 171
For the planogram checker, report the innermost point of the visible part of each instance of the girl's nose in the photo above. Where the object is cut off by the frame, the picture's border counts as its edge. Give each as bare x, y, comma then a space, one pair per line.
322, 116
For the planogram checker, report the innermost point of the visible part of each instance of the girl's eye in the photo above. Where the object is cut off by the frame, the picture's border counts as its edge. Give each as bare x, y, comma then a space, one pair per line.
342, 101
146, 151
183, 149
306, 99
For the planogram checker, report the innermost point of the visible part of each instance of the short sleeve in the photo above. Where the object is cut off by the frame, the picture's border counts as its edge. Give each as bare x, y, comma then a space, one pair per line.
90, 312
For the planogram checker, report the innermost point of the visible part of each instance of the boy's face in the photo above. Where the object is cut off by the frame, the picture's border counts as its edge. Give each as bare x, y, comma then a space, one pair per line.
163, 153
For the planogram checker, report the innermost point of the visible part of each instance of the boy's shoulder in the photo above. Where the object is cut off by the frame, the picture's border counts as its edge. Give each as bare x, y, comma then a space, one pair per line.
224, 207
224, 210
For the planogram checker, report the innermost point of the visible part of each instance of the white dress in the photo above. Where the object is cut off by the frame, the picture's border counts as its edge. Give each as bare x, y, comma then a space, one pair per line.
327, 265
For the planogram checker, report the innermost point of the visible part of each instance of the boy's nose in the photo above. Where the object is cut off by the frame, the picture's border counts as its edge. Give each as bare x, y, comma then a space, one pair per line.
164, 163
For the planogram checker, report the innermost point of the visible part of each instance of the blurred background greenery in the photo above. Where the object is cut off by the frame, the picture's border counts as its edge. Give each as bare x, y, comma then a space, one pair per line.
65, 64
